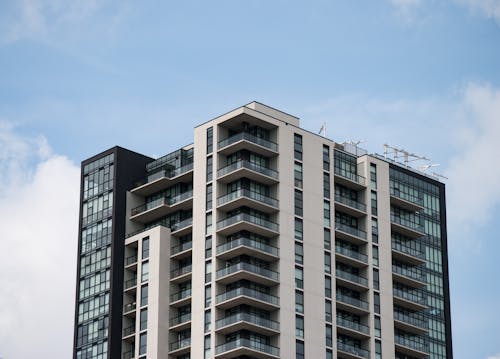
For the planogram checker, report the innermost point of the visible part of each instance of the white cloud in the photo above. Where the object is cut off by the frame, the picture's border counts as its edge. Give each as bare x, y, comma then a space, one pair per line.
406, 9
497, 356
489, 8
38, 221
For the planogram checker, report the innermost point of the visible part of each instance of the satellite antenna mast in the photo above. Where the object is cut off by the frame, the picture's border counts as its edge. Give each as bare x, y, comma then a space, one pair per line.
322, 130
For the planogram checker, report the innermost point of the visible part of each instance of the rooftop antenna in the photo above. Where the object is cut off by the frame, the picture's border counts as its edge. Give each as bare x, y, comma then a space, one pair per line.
402, 153
438, 175
322, 130
426, 167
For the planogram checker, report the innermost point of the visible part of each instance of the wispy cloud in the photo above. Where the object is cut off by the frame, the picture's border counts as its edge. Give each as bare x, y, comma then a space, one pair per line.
489, 8
497, 356
38, 218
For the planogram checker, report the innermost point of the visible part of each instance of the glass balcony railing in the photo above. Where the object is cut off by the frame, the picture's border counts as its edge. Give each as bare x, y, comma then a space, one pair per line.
246, 317
129, 307
181, 247
248, 165
183, 294
351, 253
128, 354
248, 218
247, 242
180, 225
416, 296
181, 271
350, 175
252, 293
350, 202
164, 201
350, 230
250, 138
130, 283
242, 266
242, 192
412, 272
414, 252
180, 344
170, 173
129, 330
346, 323
352, 301
406, 197
247, 343
417, 320
131, 259
407, 223
351, 277
183, 318
351, 349
419, 344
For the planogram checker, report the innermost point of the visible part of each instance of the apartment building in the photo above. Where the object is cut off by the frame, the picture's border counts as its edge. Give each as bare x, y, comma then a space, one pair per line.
260, 240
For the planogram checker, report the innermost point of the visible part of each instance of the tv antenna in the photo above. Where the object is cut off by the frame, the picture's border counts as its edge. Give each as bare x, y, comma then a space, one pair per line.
322, 130
397, 153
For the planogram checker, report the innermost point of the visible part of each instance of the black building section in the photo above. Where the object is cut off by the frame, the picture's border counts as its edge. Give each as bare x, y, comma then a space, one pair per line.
128, 168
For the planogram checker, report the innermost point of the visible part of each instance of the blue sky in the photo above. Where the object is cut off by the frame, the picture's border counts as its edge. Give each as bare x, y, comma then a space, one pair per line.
78, 77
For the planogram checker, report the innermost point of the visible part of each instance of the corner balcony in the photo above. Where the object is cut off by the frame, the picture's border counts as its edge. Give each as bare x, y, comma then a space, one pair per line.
348, 256
180, 322
349, 179
353, 305
247, 271
244, 197
248, 296
181, 274
247, 321
414, 300
247, 141
247, 222
248, 246
161, 207
351, 352
406, 227
405, 200
351, 328
250, 170
350, 280
351, 234
180, 347
349, 206
412, 323
413, 348
181, 228
407, 254
164, 179
241, 347
180, 298
414, 277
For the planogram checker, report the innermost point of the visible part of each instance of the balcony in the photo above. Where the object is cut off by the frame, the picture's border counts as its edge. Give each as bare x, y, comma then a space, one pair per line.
241, 321
412, 276
351, 304
242, 270
414, 323
131, 260
351, 280
405, 200
180, 347
245, 140
182, 250
349, 327
244, 197
407, 254
351, 257
241, 347
247, 222
349, 206
406, 227
164, 179
351, 351
351, 234
349, 179
249, 296
130, 284
250, 170
181, 274
180, 298
414, 300
130, 307
181, 228
180, 322
161, 207
414, 348
244, 245
129, 354
128, 331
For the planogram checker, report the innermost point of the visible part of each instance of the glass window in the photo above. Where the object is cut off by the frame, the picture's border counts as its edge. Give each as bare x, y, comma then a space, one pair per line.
209, 197
210, 140
377, 327
326, 213
144, 319
376, 302
298, 203
299, 253
297, 173
208, 296
328, 311
378, 349
145, 271
208, 229
297, 147
207, 347
374, 202
373, 176
208, 247
328, 287
376, 283
327, 238
208, 271
299, 301
209, 168
326, 158
299, 345
328, 335
208, 320
143, 343
328, 263
144, 295
299, 277
299, 326
145, 248
298, 229
326, 185
374, 230
375, 255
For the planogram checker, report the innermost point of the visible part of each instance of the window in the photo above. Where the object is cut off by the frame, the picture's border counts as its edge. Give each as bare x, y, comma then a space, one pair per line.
208, 296
210, 140
328, 287
374, 230
209, 197
378, 327
143, 343
326, 185
297, 173
144, 295
299, 253
299, 301
375, 255
298, 203
144, 319
378, 349
326, 158
299, 277
328, 263
299, 326
326, 213
374, 202
208, 229
373, 176
328, 335
208, 247
299, 349
145, 248
327, 238
208, 271
328, 311
207, 347
329, 354
376, 284
208, 320
209, 168
145, 271
376, 302
298, 229
297, 147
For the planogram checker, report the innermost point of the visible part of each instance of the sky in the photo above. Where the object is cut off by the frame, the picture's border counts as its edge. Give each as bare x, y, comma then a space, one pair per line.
78, 77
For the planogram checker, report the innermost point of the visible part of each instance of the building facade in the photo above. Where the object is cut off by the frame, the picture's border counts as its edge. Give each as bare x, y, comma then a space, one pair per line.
260, 240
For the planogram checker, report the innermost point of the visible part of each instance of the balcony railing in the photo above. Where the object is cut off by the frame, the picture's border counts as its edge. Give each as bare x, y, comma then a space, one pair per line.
129, 307
131, 259
252, 293
246, 317
180, 344
182, 224
164, 201
247, 343
248, 137
418, 297
243, 192
351, 230
351, 277
417, 253
417, 320
407, 223
351, 253
407, 197
419, 345
181, 271
248, 165
248, 218
351, 349
183, 318
130, 283
128, 354
350, 202
181, 247
346, 323
170, 173
352, 301
242, 266
350, 176
183, 294
412, 273
129, 330
247, 242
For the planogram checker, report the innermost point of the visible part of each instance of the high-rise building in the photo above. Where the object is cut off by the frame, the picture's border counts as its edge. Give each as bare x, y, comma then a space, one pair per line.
260, 240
